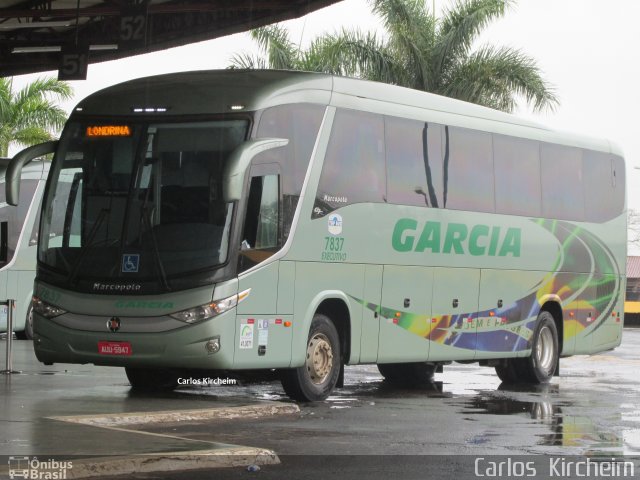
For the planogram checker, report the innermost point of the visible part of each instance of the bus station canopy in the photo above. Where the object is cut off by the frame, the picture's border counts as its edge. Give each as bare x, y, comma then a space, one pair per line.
67, 35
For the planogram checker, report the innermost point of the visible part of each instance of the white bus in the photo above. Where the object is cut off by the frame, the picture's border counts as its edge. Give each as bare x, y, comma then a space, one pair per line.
236, 220
19, 225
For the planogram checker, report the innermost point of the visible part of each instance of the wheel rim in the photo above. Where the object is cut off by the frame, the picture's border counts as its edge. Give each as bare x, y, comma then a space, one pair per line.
319, 358
545, 349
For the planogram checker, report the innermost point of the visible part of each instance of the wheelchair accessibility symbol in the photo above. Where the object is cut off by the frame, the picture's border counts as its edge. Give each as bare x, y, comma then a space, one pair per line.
130, 263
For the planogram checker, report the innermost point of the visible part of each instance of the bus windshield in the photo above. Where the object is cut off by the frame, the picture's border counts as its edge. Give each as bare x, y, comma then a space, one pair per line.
139, 201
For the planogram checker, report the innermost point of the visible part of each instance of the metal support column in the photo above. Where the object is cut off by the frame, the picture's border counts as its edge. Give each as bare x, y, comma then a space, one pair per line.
10, 308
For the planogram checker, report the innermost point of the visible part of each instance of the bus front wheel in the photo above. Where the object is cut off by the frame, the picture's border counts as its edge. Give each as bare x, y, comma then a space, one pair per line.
28, 323
541, 365
27, 333
152, 379
316, 379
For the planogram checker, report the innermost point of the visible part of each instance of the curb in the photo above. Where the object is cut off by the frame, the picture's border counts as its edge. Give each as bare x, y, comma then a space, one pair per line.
223, 456
168, 416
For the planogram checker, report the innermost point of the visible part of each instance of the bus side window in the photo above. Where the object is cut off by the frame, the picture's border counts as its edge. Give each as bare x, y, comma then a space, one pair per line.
354, 166
516, 163
603, 186
562, 182
15, 217
261, 237
299, 123
468, 170
414, 162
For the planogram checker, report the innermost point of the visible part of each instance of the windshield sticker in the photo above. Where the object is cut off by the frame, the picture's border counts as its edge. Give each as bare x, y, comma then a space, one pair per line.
263, 332
246, 336
130, 263
335, 224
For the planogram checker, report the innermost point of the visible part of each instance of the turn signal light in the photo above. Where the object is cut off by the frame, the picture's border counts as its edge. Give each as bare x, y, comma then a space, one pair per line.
45, 309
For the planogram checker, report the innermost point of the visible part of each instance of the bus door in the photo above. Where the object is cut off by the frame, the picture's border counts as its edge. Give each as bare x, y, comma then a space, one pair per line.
262, 335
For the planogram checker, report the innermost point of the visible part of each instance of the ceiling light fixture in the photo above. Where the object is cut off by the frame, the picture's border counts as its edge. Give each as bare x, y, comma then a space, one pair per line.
52, 24
57, 48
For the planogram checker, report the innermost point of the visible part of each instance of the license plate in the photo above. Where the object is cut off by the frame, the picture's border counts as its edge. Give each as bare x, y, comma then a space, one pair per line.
114, 348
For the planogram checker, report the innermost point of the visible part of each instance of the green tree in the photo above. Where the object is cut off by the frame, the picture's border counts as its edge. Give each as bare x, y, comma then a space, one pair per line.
31, 115
418, 51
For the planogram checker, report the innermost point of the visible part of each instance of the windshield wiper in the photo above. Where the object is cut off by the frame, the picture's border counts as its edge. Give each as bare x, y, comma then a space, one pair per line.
146, 215
85, 250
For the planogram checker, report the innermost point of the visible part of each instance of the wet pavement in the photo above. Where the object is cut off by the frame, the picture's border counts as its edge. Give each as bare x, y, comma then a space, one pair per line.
593, 408
31, 398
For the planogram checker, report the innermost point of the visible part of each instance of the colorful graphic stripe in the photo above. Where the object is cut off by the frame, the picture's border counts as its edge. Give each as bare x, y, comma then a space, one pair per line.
588, 298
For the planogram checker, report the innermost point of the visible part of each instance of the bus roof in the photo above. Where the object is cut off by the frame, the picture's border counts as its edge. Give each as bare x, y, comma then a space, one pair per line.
217, 91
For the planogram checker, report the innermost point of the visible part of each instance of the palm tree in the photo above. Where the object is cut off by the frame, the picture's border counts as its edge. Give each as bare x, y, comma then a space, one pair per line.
418, 51
31, 116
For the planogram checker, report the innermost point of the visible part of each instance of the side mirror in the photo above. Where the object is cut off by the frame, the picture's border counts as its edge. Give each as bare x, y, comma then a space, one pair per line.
240, 160
12, 176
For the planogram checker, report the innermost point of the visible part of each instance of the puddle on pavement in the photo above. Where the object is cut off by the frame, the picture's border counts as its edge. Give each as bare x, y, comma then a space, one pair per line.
573, 433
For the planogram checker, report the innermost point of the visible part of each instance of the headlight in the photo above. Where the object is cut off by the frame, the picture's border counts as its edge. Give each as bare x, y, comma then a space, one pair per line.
210, 310
46, 309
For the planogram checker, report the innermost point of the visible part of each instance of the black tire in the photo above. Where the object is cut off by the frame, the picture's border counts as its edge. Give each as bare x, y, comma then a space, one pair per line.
27, 333
415, 373
508, 371
152, 379
314, 381
541, 365
28, 323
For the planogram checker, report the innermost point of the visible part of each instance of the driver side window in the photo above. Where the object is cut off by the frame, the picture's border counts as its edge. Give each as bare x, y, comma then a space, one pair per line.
262, 232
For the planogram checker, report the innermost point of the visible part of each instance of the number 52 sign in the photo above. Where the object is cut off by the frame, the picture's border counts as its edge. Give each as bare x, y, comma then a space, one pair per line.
133, 26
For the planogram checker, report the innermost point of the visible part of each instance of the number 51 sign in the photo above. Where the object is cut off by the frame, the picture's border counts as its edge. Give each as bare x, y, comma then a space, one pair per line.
73, 63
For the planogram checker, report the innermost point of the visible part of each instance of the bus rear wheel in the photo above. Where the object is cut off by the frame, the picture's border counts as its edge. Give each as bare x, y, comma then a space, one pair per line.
152, 379
415, 373
541, 365
316, 379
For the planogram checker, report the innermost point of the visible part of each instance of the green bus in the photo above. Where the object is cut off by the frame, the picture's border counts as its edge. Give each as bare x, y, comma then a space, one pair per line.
300, 222
19, 226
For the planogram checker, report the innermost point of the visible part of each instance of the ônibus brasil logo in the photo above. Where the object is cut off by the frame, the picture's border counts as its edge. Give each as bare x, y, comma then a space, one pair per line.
32, 468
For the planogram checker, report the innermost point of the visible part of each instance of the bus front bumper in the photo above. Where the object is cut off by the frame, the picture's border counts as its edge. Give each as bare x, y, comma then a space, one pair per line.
191, 346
